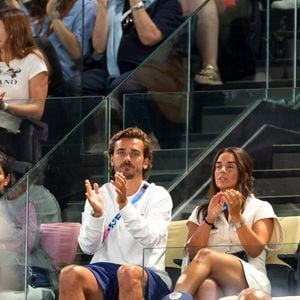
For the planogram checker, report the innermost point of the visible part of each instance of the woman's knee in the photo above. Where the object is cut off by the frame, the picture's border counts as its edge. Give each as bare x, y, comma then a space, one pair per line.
204, 255
209, 289
209, 283
129, 276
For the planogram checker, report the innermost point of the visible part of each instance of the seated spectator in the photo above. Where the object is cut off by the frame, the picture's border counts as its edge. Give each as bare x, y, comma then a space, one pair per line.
12, 234
68, 25
55, 80
125, 33
23, 77
120, 220
228, 237
18, 225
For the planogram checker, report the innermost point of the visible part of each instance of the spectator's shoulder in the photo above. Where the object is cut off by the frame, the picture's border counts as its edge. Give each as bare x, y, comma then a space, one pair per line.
158, 189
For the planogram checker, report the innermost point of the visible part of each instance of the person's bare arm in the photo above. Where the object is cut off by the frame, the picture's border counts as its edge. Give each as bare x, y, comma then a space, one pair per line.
253, 239
149, 34
13, 3
199, 234
100, 32
67, 38
38, 89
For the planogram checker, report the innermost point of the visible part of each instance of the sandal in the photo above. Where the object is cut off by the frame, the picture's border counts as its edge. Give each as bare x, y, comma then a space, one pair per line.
209, 75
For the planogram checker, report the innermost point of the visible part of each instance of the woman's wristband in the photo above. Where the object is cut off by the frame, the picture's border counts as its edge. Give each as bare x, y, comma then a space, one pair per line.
210, 224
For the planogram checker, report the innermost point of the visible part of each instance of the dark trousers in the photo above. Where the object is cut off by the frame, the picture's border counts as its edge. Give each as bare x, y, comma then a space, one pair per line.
8, 142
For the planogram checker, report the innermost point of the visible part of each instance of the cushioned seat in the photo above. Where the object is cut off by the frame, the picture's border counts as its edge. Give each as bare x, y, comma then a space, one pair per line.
60, 241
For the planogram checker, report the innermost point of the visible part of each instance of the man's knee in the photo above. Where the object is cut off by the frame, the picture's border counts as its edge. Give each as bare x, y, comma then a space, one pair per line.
129, 276
72, 274
78, 280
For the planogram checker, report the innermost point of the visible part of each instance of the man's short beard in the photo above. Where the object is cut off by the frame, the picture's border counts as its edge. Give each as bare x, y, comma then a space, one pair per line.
129, 177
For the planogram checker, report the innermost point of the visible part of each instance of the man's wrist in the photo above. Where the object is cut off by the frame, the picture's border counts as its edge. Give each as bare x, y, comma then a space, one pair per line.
102, 4
137, 6
53, 16
4, 106
122, 204
95, 214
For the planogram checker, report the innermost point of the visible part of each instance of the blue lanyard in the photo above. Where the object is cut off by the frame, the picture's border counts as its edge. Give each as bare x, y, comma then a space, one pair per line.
117, 217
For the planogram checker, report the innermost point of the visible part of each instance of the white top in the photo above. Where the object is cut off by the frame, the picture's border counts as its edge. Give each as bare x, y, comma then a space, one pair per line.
14, 81
225, 239
141, 228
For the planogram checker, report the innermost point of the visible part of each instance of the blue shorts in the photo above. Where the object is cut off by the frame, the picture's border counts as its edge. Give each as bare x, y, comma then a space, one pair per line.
106, 275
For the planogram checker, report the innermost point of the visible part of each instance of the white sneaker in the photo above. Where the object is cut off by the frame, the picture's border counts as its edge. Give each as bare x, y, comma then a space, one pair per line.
285, 4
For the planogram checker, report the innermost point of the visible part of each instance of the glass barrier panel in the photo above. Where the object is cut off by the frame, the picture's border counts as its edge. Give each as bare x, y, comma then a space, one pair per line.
216, 119
283, 96
163, 116
62, 114
267, 129
213, 113
297, 97
166, 70
28, 140
43, 209
282, 46
56, 197
78, 156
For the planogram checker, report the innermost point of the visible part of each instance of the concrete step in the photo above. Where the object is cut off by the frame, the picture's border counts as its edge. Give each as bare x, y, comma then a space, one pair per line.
216, 119
277, 182
286, 156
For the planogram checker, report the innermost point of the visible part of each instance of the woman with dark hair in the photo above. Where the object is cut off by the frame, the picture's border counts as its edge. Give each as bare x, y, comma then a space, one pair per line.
23, 77
228, 237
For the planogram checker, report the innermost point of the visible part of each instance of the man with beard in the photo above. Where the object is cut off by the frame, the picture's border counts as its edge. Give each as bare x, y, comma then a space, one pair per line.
124, 227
